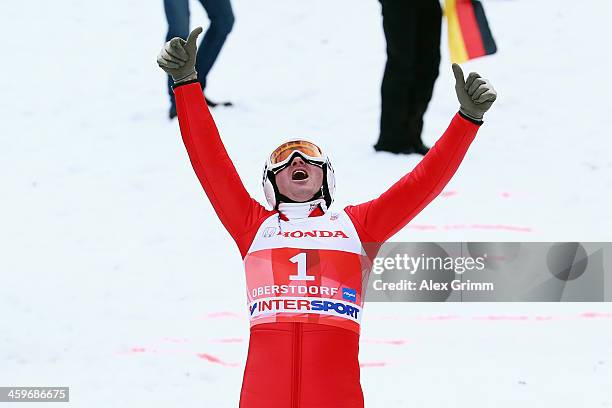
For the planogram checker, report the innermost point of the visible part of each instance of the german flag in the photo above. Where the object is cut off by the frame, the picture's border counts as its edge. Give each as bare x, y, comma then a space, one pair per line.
469, 35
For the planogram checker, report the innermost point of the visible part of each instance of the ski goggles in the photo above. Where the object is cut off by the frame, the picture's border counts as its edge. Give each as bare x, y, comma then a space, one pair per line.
308, 151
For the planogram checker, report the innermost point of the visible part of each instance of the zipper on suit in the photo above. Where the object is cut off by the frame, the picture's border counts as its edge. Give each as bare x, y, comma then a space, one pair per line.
296, 365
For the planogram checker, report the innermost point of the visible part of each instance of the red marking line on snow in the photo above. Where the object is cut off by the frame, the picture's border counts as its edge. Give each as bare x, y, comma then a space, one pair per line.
221, 315
500, 317
595, 315
175, 340
135, 350
501, 227
502, 194
422, 227
542, 318
370, 317
215, 360
229, 340
373, 364
397, 342
449, 193
440, 317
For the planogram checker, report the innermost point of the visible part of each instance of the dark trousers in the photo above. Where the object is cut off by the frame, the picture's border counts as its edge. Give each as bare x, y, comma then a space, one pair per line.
412, 29
221, 23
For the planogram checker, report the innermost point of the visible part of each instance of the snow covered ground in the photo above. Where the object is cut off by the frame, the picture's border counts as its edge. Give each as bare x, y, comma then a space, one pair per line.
118, 280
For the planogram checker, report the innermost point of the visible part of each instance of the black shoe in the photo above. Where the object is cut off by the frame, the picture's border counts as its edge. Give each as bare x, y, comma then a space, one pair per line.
213, 104
388, 149
172, 112
420, 149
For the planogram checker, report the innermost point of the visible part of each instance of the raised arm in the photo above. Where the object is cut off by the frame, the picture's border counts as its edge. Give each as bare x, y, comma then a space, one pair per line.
382, 217
237, 210
377, 220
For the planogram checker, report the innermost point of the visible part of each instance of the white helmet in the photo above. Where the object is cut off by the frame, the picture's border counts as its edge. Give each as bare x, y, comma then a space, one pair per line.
282, 157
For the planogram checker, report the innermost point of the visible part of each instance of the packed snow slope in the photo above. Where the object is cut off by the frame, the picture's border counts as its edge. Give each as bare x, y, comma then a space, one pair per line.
118, 280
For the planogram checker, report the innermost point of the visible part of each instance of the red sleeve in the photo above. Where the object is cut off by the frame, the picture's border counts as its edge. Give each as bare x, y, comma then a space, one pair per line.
238, 211
377, 220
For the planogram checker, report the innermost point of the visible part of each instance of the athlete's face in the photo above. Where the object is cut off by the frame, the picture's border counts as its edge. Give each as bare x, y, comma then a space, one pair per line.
300, 181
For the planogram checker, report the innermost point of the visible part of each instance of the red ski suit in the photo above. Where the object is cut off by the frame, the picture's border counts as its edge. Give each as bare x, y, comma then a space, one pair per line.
307, 361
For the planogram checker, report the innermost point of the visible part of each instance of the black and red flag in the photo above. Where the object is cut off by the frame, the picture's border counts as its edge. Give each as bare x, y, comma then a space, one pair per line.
469, 35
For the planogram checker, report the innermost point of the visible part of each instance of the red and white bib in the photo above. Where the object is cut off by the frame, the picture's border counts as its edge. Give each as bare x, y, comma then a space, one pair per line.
309, 270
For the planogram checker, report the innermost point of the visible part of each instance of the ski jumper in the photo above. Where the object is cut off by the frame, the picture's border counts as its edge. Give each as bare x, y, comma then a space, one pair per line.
304, 267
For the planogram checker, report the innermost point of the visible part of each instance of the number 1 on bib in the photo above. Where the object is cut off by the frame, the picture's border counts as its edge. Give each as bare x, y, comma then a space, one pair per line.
300, 260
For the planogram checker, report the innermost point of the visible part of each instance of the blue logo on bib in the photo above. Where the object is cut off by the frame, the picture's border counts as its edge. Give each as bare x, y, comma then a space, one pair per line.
349, 294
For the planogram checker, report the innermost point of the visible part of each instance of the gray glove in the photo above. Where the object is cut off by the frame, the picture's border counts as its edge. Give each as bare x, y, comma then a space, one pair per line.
476, 95
178, 57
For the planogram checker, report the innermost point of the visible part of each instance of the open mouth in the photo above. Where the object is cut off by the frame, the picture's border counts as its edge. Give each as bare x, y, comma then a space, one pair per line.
299, 175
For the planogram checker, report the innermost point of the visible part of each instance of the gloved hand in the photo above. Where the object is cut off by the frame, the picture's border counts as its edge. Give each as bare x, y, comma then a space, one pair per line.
178, 57
476, 95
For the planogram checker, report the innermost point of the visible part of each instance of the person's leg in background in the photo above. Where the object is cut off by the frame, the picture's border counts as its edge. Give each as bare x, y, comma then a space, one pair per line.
399, 25
429, 28
407, 78
177, 14
221, 22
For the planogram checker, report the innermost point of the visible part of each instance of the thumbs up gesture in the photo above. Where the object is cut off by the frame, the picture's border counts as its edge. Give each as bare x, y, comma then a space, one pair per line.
177, 57
475, 94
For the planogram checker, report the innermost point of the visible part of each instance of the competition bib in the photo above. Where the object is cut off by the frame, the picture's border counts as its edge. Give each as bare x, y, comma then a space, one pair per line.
307, 270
